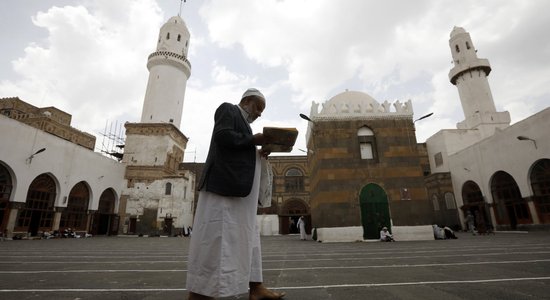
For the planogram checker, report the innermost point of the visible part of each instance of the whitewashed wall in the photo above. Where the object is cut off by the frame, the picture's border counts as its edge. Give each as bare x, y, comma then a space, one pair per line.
66, 162
152, 196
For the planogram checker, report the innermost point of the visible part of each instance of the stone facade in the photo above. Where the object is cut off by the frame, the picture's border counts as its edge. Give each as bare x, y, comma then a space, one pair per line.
47, 119
159, 195
338, 173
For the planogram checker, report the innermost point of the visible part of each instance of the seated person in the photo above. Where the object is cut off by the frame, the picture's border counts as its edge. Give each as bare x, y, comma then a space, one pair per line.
439, 233
385, 235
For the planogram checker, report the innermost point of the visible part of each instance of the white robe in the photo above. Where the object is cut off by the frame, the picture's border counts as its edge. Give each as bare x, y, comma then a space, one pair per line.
302, 226
224, 252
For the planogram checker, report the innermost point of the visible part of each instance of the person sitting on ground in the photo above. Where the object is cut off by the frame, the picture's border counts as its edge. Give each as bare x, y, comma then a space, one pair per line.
385, 235
439, 233
449, 233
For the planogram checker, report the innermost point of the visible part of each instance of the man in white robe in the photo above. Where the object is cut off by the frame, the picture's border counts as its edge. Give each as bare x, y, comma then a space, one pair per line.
302, 226
224, 252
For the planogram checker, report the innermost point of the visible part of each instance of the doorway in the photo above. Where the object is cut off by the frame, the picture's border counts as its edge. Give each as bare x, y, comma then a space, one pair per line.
375, 212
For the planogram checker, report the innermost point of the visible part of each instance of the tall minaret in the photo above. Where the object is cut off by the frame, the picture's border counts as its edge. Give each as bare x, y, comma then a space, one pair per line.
469, 74
169, 70
155, 146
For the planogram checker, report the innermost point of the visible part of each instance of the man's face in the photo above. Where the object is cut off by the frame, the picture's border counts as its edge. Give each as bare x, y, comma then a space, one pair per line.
254, 106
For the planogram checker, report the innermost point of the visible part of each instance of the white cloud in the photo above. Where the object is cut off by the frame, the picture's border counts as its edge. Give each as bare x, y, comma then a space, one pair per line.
92, 61
87, 66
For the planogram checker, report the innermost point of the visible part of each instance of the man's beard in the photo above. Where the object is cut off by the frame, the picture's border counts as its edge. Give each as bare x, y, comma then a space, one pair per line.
249, 117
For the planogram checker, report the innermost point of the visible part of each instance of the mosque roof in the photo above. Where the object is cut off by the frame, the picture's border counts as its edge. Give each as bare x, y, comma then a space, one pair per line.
359, 105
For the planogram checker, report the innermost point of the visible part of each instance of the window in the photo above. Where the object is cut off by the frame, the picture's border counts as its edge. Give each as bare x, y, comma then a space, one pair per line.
438, 157
450, 200
366, 150
168, 189
168, 36
367, 146
435, 202
294, 180
457, 49
467, 45
179, 37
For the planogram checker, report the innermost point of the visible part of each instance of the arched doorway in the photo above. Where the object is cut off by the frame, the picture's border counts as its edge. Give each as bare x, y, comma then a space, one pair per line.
75, 216
105, 222
291, 212
511, 208
540, 183
375, 210
39, 210
475, 204
5, 193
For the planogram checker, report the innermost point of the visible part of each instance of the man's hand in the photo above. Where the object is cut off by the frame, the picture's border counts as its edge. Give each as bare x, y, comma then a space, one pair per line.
261, 139
264, 153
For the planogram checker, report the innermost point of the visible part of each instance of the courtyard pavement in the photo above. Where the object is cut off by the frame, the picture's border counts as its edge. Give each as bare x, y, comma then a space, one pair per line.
501, 266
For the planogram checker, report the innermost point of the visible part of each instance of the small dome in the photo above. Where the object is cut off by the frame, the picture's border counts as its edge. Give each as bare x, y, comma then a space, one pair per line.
457, 30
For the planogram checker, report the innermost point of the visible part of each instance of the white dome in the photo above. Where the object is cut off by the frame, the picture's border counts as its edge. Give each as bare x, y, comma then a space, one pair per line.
358, 105
348, 101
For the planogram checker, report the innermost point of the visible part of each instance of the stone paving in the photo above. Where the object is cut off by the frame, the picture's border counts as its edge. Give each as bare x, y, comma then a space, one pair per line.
500, 266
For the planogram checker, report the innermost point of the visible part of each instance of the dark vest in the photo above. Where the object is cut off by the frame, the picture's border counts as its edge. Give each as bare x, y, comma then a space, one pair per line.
230, 165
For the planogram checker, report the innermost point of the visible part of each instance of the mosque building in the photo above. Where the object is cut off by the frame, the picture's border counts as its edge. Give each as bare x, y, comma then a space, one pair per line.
497, 171
366, 169
363, 168
51, 179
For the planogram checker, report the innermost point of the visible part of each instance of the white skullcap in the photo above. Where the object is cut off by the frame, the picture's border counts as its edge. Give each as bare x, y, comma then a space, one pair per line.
253, 92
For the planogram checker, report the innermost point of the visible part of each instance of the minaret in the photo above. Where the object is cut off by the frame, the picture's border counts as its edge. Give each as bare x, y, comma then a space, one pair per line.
169, 70
155, 146
469, 74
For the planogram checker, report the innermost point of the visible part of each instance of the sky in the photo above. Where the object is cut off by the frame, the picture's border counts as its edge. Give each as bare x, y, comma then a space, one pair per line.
88, 57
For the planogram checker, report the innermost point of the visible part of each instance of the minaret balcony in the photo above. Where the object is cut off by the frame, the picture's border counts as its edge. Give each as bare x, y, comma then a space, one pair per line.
167, 57
461, 68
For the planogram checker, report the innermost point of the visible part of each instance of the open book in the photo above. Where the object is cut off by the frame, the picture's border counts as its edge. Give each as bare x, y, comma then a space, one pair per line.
280, 139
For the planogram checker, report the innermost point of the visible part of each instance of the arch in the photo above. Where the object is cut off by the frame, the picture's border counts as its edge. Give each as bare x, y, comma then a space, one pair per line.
365, 131
6, 188
295, 207
471, 193
294, 180
75, 215
511, 208
104, 218
475, 203
375, 212
539, 176
39, 210
291, 211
